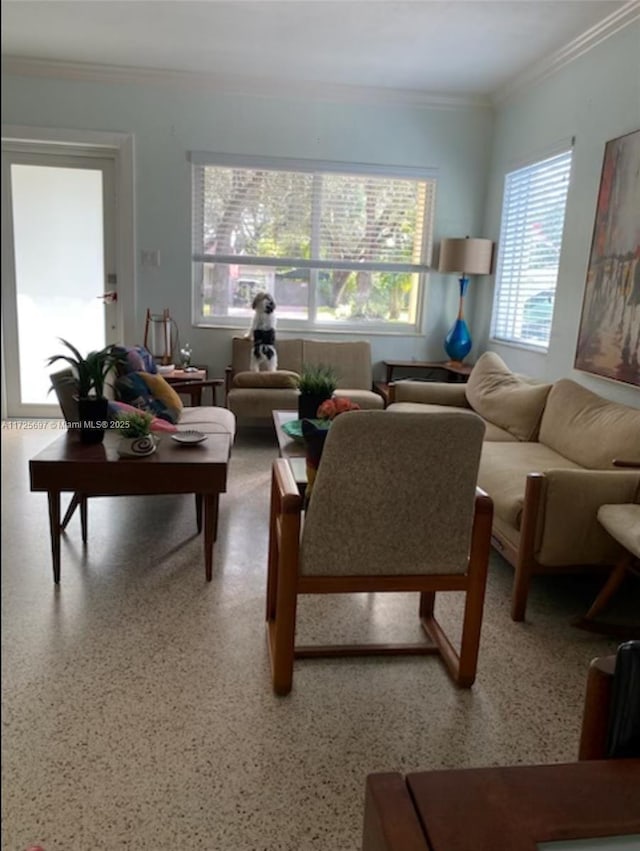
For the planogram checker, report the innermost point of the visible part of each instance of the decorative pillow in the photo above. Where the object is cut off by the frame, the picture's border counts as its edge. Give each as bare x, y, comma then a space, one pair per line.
277, 378
314, 438
505, 399
133, 389
162, 390
157, 424
137, 359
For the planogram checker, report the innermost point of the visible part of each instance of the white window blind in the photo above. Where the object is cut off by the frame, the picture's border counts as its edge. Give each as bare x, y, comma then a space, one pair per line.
332, 246
529, 250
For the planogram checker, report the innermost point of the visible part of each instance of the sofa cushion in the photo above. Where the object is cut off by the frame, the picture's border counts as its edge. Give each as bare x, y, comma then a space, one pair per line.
503, 473
510, 401
350, 360
278, 378
588, 429
492, 431
133, 389
289, 354
208, 419
161, 389
260, 402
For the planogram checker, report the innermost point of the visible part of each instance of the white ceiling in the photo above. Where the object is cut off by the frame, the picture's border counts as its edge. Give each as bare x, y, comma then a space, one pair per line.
459, 48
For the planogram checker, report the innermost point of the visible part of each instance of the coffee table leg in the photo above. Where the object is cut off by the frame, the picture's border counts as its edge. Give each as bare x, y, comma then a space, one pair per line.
54, 528
210, 523
83, 518
199, 512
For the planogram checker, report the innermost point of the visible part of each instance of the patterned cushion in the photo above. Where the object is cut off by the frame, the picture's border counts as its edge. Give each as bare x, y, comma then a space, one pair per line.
162, 390
135, 359
157, 424
133, 389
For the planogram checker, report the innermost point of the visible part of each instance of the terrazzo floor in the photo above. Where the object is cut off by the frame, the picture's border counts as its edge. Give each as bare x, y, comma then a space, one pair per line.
137, 706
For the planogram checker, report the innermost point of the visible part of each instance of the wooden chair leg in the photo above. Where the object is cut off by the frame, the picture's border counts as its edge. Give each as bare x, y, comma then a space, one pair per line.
595, 717
272, 563
610, 587
283, 627
474, 601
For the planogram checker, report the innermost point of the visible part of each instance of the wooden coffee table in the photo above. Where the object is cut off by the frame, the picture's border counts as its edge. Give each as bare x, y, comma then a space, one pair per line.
97, 470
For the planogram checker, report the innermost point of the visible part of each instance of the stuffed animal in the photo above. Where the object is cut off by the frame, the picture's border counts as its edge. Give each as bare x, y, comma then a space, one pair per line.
263, 333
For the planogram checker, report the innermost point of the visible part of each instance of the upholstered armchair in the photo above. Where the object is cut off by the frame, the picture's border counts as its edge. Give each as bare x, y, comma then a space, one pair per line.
394, 507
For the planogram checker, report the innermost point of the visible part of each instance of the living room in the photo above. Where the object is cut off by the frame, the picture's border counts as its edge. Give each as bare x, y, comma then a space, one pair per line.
161, 731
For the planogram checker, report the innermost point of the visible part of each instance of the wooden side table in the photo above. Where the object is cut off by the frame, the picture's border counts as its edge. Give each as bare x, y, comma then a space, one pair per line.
193, 383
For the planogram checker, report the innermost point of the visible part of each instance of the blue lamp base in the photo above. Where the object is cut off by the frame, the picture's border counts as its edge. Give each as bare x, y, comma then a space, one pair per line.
457, 343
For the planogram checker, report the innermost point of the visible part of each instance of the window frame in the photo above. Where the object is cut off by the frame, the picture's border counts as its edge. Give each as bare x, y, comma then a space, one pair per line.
221, 160
563, 149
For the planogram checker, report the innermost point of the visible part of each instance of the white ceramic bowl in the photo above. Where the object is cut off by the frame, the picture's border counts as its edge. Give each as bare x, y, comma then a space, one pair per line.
164, 369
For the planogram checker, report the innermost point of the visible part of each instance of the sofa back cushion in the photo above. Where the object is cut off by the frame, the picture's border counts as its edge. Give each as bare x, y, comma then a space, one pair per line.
289, 354
350, 360
587, 429
513, 402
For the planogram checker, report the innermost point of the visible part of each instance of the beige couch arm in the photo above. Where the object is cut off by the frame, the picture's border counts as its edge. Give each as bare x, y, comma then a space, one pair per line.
568, 531
428, 393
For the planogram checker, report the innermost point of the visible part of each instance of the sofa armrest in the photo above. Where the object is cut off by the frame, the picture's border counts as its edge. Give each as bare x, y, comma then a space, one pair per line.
429, 393
568, 531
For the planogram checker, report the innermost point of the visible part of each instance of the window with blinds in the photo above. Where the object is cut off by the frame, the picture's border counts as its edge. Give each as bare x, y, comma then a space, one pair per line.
533, 211
334, 247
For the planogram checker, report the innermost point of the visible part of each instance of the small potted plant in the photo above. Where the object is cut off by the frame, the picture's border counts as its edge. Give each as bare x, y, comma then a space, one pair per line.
316, 384
89, 376
135, 434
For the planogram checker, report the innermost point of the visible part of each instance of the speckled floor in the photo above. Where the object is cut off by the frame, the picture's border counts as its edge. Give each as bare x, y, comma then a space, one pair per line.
137, 707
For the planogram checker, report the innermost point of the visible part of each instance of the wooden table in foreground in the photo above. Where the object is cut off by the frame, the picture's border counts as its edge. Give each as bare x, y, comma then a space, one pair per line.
501, 809
97, 470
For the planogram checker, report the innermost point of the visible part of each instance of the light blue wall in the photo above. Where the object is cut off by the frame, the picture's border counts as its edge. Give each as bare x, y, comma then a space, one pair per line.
169, 120
595, 98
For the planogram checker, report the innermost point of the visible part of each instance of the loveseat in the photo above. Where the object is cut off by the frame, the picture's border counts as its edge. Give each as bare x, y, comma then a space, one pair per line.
253, 396
547, 462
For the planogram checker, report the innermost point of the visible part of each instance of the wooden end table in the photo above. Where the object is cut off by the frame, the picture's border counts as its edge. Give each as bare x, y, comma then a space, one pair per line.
97, 470
193, 383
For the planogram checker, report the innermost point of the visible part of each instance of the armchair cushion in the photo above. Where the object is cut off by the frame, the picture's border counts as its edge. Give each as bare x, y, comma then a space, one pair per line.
506, 399
278, 378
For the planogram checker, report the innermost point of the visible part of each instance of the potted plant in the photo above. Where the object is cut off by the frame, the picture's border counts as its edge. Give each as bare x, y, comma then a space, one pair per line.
89, 376
135, 434
316, 384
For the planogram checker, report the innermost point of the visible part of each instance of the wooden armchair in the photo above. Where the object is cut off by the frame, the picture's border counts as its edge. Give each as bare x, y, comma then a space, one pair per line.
394, 508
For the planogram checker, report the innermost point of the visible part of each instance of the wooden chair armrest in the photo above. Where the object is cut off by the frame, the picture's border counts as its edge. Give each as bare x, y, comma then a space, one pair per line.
288, 491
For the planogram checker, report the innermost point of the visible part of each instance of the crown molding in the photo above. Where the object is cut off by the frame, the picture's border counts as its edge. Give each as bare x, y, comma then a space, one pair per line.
242, 86
609, 26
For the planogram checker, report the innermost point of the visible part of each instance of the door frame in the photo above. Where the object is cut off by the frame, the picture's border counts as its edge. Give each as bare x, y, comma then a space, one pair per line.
118, 147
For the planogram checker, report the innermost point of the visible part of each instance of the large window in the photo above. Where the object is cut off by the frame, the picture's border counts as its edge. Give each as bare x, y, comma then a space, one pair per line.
533, 209
337, 247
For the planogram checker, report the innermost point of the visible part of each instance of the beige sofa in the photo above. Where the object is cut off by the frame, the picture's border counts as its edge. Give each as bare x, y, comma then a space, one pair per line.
547, 463
253, 396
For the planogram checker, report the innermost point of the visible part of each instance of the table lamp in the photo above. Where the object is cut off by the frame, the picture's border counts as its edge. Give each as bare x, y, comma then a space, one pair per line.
465, 256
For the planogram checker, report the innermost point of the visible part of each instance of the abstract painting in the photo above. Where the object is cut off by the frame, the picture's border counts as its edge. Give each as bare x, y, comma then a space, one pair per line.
609, 335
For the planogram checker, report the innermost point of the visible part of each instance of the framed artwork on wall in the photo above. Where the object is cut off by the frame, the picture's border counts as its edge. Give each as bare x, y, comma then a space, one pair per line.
609, 333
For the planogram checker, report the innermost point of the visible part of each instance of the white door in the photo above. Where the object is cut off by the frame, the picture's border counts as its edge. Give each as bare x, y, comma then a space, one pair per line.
59, 268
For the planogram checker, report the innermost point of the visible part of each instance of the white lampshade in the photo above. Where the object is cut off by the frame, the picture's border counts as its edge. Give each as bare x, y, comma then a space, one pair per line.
466, 256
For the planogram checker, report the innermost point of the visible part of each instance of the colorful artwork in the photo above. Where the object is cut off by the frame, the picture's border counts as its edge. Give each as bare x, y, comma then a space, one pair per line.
609, 335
